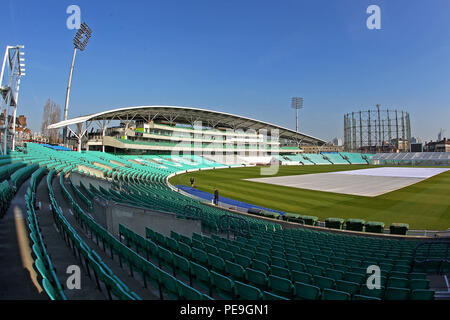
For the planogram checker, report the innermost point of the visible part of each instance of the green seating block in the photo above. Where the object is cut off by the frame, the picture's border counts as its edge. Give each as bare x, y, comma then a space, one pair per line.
355, 224
334, 223
399, 228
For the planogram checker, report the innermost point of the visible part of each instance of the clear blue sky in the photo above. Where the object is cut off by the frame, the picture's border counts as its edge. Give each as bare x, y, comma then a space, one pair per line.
243, 57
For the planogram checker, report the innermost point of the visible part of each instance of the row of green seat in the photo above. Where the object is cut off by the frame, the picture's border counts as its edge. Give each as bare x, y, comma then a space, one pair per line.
19, 176
42, 262
114, 286
164, 282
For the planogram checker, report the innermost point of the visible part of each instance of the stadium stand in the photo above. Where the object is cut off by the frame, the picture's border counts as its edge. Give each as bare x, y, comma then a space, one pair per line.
271, 263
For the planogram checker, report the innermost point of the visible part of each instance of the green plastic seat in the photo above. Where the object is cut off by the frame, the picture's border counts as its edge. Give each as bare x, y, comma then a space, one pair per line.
396, 293
236, 271
323, 282
361, 297
346, 286
257, 278
302, 277
226, 255
314, 270
377, 293
247, 292
201, 276
280, 286
280, 272
224, 286
166, 258
334, 274
397, 282
271, 296
305, 291
422, 284
181, 266
49, 289
200, 257
420, 294
354, 277
242, 260
296, 266
216, 263
260, 266
169, 285
329, 294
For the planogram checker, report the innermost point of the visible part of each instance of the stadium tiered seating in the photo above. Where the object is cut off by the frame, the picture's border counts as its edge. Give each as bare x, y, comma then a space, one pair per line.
272, 263
335, 158
354, 158
291, 269
315, 158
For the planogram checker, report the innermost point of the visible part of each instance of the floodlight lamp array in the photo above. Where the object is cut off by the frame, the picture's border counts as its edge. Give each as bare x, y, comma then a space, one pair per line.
82, 37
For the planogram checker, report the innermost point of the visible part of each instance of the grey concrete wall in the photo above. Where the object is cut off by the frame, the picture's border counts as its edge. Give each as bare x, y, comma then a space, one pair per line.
138, 219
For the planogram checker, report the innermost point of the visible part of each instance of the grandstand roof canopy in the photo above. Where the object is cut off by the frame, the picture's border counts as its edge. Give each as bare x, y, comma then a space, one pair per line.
188, 115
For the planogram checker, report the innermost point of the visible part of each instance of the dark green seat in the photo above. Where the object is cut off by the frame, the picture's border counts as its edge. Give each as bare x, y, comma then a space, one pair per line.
305, 291
236, 271
242, 260
329, 294
420, 294
302, 277
361, 297
377, 293
226, 255
397, 282
314, 270
323, 282
257, 278
422, 284
200, 257
166, 258
280, 272
296, 266
346, 286
280, 286
224, 286
396, 293
185, 250
169, 285
354, 277
181, 266
334, 274
201, 276
271, 296
216, 263
247, 292
260, 266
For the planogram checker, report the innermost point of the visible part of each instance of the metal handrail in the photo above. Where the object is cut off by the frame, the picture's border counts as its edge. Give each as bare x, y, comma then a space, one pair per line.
192, 212
244, 226
430, 244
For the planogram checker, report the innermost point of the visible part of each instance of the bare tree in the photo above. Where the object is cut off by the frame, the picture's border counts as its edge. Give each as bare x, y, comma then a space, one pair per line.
52, 114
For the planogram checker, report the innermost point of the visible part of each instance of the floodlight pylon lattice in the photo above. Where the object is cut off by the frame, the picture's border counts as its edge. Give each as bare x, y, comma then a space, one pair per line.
13, 68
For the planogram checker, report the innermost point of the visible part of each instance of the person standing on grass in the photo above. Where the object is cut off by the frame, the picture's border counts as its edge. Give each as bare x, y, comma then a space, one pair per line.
216, 196
192, 181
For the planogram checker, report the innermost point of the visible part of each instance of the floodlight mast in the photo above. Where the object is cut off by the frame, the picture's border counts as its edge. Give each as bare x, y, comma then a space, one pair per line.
297, 103
80, 41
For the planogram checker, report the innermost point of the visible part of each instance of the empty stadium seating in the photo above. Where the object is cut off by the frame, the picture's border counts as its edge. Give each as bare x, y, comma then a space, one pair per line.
272, 263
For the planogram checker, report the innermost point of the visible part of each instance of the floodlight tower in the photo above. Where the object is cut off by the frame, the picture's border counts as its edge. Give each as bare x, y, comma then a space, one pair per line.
297, 103
13, 68
80, 41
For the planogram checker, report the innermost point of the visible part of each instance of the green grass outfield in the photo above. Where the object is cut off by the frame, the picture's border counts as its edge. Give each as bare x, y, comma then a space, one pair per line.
424, 205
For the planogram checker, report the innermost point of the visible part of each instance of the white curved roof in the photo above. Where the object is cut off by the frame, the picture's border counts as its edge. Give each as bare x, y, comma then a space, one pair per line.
188, 115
